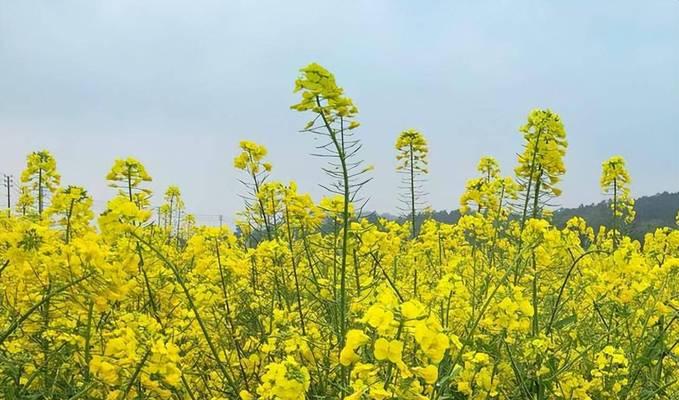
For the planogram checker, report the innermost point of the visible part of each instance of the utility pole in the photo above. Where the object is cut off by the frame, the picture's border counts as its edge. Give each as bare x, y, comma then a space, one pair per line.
8, 185
221, 218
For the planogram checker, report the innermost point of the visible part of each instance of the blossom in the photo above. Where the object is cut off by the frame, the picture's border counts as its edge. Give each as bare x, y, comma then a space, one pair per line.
388, 350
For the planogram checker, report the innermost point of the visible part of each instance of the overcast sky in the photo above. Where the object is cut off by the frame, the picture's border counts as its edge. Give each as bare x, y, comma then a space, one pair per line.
178, 84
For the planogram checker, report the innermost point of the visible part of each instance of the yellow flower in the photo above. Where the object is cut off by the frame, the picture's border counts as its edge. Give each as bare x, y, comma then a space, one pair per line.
250, 158
434, 344
348, 356
104, 370
284, 381
430, 373
412, 309
388, 350
245, 395
356, 338
379, 318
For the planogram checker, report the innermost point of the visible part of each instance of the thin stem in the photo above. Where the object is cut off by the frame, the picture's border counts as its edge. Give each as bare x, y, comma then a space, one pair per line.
192, 305
294, 271
68, 221
412, 190
339, 148
135, 374
563, 287
37, 305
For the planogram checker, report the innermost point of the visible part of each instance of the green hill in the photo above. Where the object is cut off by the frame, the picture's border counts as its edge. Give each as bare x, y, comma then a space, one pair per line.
658, 210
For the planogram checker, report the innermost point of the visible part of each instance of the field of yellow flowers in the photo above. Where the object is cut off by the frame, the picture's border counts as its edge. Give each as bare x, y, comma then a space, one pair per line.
308, 300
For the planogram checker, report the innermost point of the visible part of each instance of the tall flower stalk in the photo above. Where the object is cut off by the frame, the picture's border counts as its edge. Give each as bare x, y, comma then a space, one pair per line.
412, 161
615, 181
251, 161
40, 177
334, 121
541, 163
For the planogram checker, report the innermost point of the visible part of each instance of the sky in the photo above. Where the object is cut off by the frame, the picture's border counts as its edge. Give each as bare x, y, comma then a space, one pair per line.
177, 84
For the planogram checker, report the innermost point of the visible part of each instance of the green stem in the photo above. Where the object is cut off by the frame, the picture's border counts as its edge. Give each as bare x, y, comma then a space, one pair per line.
412, 190
135, 374
563, 287
68, 221
194, 308
339, 148
294, 270
88, 336
37, 305
227, 307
